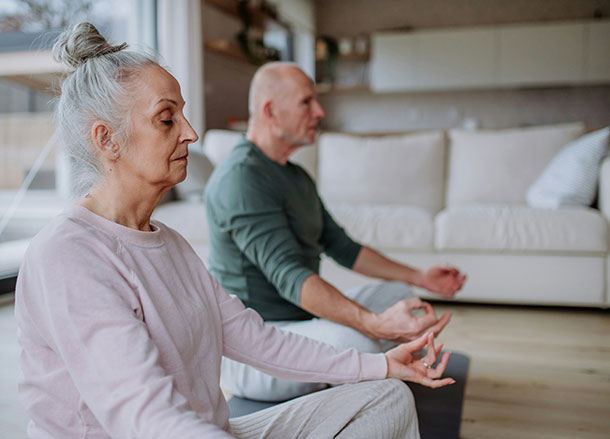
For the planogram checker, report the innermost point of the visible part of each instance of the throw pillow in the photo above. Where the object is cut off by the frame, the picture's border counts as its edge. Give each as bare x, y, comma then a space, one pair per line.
571, 177
198, 172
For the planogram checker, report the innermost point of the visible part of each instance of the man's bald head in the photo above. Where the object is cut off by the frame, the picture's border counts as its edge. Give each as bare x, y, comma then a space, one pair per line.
284, 111
272, 81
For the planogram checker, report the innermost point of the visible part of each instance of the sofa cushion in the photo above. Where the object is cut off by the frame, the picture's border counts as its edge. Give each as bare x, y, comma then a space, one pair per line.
385, 226
307, 157
186, 217
218, 144
521, 228
571, 177
499, 166
405, 169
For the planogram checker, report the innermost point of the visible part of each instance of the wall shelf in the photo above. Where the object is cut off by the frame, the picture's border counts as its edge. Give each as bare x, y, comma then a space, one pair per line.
227, 49
258, 17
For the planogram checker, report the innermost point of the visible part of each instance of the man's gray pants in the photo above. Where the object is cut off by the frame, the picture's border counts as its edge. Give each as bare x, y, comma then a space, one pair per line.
247, 382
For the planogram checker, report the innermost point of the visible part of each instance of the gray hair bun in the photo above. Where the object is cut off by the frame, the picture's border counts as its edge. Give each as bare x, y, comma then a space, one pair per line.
74, 47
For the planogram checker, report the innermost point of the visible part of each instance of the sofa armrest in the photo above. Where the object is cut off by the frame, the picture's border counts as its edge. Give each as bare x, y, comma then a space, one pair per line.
604, 188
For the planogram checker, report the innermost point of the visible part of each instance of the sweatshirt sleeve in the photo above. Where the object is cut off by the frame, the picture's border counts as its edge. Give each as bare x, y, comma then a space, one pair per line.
285, 355
81, 300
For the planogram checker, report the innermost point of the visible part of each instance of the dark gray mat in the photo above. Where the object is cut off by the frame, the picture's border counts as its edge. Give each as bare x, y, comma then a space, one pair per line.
439, 410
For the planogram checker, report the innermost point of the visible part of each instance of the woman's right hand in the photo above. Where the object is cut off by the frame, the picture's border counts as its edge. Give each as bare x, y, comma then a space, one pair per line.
403, 366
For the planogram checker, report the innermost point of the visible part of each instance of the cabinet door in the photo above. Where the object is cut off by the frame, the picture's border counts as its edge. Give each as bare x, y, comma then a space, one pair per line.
541, 54
392, 62
454, 59
598, 52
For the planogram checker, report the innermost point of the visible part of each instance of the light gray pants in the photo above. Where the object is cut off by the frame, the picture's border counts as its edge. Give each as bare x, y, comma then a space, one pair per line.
382, 409
242, 380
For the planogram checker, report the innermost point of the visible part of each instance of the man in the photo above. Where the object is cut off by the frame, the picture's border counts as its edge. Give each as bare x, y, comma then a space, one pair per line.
268, 228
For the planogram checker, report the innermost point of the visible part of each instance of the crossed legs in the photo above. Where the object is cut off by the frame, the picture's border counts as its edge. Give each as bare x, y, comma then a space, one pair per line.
372, 409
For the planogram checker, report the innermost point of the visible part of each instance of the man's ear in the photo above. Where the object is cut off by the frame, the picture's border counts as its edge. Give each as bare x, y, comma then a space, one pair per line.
101, 138
268, 110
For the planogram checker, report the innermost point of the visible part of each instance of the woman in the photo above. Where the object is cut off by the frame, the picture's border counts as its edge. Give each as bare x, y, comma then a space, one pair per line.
122, 329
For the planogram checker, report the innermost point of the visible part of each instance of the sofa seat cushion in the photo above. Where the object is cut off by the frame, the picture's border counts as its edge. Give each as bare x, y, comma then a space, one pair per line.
186, 217
385, 226
521, 228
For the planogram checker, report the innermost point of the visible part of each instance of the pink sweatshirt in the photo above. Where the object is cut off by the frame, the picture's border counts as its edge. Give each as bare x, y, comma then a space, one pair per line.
122, 334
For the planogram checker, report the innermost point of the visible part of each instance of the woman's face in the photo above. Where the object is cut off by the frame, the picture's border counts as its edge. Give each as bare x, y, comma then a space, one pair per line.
157, 148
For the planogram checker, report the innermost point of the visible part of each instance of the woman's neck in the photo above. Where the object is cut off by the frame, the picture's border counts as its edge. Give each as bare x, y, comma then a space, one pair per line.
131, 208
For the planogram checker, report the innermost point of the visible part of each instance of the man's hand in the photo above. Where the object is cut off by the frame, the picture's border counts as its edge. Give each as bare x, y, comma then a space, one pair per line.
403, 366
444, 280
399, 323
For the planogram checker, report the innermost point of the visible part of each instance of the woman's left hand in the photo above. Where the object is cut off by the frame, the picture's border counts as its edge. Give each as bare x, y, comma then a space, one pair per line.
403, 366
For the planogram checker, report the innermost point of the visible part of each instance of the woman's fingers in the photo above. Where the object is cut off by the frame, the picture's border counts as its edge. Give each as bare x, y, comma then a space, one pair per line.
435, 384
439, 370
418, 343
430, 356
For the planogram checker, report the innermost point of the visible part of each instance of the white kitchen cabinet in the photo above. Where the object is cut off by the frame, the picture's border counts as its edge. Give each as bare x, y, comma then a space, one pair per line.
541, 54
598, 52
392, 65
454, 59
432, 60
573, 53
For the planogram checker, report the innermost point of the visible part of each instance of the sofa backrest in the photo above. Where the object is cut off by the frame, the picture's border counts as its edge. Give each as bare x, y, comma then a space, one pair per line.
499, 166
405, 169
217, 144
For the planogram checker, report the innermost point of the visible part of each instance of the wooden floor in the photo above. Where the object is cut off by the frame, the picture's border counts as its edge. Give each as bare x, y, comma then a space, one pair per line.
534, 372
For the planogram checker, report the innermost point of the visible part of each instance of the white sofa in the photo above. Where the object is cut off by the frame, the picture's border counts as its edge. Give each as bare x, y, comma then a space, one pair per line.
453, 197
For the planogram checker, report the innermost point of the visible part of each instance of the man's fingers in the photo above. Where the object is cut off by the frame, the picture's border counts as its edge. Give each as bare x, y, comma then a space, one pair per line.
413, 303
428, 308
442, 322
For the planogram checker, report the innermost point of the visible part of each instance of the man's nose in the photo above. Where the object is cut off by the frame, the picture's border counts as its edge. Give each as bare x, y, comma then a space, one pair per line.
318, 110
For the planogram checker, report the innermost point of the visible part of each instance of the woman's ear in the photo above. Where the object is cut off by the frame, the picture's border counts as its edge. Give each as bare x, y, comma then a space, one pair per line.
101, 137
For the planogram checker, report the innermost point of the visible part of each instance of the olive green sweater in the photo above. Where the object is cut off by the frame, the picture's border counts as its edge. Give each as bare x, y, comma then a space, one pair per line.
268, 228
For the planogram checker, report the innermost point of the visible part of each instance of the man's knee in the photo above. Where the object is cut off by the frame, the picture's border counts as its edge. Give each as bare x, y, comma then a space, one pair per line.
245, 381
378, 297
344, 337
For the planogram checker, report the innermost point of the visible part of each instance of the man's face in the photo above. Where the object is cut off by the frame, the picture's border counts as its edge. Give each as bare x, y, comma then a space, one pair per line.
297, 110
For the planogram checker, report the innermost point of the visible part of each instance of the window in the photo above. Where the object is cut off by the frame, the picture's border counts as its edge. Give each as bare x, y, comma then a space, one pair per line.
29, 84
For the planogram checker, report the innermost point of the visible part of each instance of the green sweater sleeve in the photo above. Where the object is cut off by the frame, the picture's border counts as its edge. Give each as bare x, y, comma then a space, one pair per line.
336, 243
250, 209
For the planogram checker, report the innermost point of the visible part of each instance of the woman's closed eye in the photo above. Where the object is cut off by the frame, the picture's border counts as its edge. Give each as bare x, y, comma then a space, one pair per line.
168, 122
